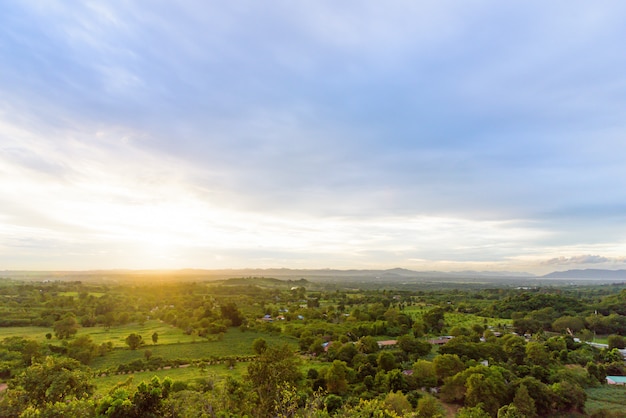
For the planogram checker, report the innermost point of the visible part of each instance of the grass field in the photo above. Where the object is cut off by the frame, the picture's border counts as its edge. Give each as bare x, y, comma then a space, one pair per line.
454, 319
216, 373
117, 335
184, 374
233, 343
608, 397
33, 333
172, 342
75, 294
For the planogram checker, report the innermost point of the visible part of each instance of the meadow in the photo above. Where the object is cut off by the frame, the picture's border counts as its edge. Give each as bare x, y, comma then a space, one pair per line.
458, 319
232, 343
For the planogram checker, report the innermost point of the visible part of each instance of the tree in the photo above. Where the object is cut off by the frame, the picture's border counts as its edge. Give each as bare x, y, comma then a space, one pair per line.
597, 371
510, 411
337, 378
434, 320
51, 381
394, 380
447, 365
386, 361
477, 385
429, 407
229, 311
524, 403
616, 341
75, 408
424, 374
418, 329
515, 348
155, 337
568, 323
147, 401
332, 403
366, 409
82, 349
346, 353
398, 402
275, 368
540, 393
472, 412
66, 327
134, 341
569, 396
411, 345
259, 345
488, 390
537, 354
367, 345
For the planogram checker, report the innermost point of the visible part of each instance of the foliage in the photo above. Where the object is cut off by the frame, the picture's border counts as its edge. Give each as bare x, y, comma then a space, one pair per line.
428, 406
147, 401
472, 412
275, 368
434, 320
367, 409
205, 331
398, 403
43, 384
134, 341
66, 327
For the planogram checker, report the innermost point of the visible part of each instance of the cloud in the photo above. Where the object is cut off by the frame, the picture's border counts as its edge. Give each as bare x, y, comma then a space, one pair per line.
581, 259
439, 130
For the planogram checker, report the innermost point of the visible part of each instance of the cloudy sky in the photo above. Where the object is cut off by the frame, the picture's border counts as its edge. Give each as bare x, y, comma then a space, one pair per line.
482, 135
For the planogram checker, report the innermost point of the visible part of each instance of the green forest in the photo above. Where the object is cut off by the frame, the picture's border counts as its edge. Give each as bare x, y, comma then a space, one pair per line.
265, 347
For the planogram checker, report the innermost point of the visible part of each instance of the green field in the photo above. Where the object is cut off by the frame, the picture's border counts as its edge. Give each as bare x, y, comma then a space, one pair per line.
233, 343
455, 319
172, 342
184, 374
117, 335
76, 294
607, 397
34, 333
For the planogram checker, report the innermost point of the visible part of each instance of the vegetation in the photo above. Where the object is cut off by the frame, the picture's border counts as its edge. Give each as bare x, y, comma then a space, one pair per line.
268, 347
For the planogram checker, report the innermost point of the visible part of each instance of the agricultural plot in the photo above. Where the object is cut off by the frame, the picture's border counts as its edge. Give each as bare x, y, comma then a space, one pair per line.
609, 398
456, 319
233, 343
34, 333
187, 375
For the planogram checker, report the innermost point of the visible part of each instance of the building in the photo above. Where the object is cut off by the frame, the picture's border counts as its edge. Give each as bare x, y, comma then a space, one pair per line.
616, 380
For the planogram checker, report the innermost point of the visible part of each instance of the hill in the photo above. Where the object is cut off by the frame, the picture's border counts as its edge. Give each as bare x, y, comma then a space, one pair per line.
588, 274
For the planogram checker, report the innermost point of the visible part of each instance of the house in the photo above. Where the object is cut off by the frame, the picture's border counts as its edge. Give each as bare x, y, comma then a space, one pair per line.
616, 380
440, 340
387, 343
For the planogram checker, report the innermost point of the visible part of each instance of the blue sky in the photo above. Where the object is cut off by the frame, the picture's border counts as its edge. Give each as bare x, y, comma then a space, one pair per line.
477, 135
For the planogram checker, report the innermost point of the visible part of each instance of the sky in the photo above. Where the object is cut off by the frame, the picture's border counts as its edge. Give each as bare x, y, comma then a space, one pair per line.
429, 135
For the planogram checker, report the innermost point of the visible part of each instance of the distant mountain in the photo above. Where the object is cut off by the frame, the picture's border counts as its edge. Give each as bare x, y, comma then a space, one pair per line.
471, 273
587, 274
325, 275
